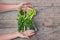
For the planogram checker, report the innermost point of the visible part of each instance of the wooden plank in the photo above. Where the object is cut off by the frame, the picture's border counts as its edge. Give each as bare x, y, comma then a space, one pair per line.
7, 30
47, 20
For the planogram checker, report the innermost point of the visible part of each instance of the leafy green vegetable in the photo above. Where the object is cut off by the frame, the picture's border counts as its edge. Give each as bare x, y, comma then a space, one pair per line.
24, 20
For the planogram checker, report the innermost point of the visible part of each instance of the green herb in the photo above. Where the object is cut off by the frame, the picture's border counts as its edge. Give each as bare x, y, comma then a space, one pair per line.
24, 20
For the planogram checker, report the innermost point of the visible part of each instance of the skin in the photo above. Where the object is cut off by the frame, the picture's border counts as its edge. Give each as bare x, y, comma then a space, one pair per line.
6, 7
26, 34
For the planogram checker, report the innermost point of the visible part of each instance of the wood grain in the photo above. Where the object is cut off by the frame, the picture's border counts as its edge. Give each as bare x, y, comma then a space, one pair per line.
47, 19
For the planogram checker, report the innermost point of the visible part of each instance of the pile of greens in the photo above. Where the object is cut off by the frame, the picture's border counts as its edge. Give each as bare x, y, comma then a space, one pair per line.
24, 20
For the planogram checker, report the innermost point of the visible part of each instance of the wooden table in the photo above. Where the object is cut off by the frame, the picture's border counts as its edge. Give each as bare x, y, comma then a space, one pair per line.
47, 19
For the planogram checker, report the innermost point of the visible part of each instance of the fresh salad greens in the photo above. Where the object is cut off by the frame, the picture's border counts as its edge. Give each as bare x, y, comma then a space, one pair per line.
24, 20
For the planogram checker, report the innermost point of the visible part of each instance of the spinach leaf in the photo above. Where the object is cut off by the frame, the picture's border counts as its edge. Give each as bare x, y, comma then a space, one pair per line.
24, 20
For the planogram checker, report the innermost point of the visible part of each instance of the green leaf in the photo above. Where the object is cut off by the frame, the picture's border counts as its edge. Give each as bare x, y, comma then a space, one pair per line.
24, 20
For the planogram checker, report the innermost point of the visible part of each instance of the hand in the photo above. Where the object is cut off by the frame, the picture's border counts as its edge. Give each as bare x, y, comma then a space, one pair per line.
25, 6
26, 34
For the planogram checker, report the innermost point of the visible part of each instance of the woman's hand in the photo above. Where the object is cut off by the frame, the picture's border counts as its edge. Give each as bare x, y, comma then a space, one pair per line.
6, 7
25, 6
25, 34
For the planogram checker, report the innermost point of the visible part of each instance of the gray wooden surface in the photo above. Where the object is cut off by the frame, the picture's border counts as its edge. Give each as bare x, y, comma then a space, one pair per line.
47, 19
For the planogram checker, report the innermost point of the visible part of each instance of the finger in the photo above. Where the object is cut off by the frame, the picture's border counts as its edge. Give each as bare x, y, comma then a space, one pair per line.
22, 4
28, 9
24, 36
28, 6
31, 34
30, 31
